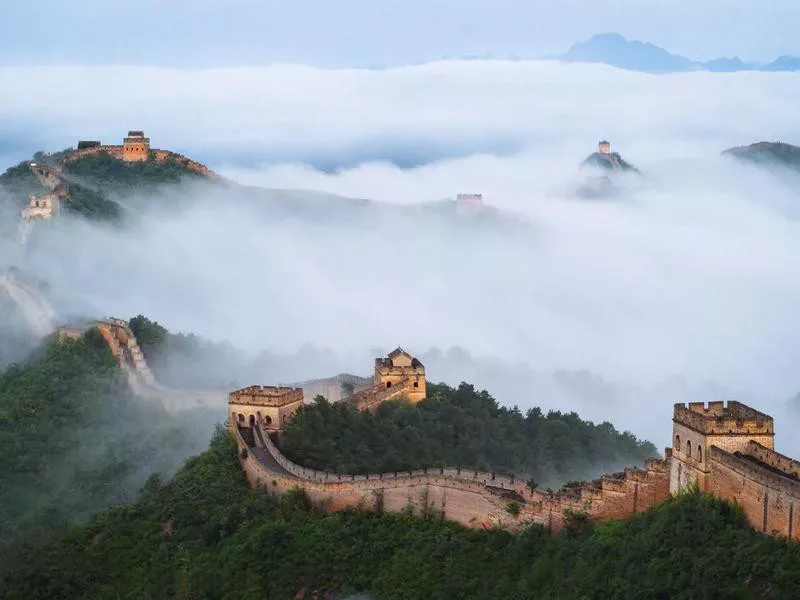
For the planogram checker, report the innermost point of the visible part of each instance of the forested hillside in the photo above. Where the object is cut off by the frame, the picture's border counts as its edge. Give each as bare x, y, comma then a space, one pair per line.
98, 184
205, 534
459, 427
74, 439
776, 154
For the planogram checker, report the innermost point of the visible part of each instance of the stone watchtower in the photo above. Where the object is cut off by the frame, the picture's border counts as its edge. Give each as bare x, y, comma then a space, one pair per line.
400, 368
135, 147
698, 427
604, 147
271, 407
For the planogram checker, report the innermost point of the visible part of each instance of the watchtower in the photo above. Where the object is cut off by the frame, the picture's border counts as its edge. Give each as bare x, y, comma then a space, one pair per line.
400, 368
468, 205
699, 426
269, 406
604, 147
135, 147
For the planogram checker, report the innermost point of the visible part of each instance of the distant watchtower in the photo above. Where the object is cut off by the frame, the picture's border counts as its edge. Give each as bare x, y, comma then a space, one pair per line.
468, 205
135, 147
399, 368
604, 147
698, 427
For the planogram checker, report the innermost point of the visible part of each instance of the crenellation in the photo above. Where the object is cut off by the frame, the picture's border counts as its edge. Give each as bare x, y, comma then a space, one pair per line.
739, 466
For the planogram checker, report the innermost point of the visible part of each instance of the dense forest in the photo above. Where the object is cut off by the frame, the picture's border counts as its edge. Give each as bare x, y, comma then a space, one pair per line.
74, 439
102, 171
205, 534
459, 427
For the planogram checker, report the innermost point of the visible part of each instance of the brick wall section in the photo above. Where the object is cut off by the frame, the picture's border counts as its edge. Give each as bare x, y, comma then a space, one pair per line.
160, 155
769, 498
472, 498
372, 397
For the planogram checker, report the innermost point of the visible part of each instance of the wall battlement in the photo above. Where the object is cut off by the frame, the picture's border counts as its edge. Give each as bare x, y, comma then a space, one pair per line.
473, 498
258, 395
719, 418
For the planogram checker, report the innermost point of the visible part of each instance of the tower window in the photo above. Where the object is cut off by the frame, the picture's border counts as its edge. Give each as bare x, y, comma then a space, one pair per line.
688, 448
699, 453
416, 384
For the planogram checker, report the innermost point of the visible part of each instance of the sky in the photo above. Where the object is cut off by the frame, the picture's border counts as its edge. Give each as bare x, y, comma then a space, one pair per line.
690, 275
370, 33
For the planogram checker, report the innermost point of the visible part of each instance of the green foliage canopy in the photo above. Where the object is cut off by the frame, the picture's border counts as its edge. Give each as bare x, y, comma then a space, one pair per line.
458, 427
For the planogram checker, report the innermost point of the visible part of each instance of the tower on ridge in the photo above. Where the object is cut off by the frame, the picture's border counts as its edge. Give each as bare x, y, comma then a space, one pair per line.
271, 407
399, 367
604, 147
135, 147
697, 427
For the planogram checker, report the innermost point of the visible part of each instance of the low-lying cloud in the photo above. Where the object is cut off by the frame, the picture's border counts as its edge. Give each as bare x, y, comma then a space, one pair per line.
689, 276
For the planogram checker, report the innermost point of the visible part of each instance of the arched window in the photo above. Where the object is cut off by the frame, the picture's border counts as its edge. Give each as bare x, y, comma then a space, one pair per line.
678, 443
268, 420
252, 420
688, 448
699, 453
416, 384
388, 384
241, 418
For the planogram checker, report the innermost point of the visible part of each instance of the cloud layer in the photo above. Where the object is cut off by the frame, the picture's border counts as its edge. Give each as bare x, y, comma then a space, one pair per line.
691, 273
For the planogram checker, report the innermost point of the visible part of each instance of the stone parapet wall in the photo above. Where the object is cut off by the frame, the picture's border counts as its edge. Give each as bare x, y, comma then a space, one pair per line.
482, 498
376, 395
774, 459
257, 395
769, 500
721, 419
753, 471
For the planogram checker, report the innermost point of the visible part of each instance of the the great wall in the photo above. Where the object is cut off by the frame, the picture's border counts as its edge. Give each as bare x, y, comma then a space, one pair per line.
135, 147
723, 449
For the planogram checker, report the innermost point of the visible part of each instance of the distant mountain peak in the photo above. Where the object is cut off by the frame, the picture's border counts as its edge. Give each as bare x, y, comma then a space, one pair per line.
615, 50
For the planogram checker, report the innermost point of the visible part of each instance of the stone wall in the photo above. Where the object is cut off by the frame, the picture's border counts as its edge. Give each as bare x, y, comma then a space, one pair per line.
769, 499
372, 397
159, 155
472, 498
717, 418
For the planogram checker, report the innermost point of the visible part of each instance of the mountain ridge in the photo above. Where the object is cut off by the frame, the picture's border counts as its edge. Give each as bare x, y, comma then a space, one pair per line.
615, 50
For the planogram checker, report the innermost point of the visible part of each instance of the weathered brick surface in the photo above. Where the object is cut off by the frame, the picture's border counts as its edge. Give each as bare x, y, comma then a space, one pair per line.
472, 498
770, 500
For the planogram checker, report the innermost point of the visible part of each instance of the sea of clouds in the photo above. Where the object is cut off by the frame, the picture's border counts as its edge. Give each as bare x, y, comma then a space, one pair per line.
683, 288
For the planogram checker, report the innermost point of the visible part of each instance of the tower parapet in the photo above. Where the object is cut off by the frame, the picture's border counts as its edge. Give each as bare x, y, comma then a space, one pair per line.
717, 418
270, 406
697, 427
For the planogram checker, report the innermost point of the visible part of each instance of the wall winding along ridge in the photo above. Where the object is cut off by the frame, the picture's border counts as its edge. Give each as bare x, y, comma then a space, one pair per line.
472, 498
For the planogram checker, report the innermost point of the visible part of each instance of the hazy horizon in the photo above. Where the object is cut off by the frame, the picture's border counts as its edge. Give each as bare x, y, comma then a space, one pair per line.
358, 33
